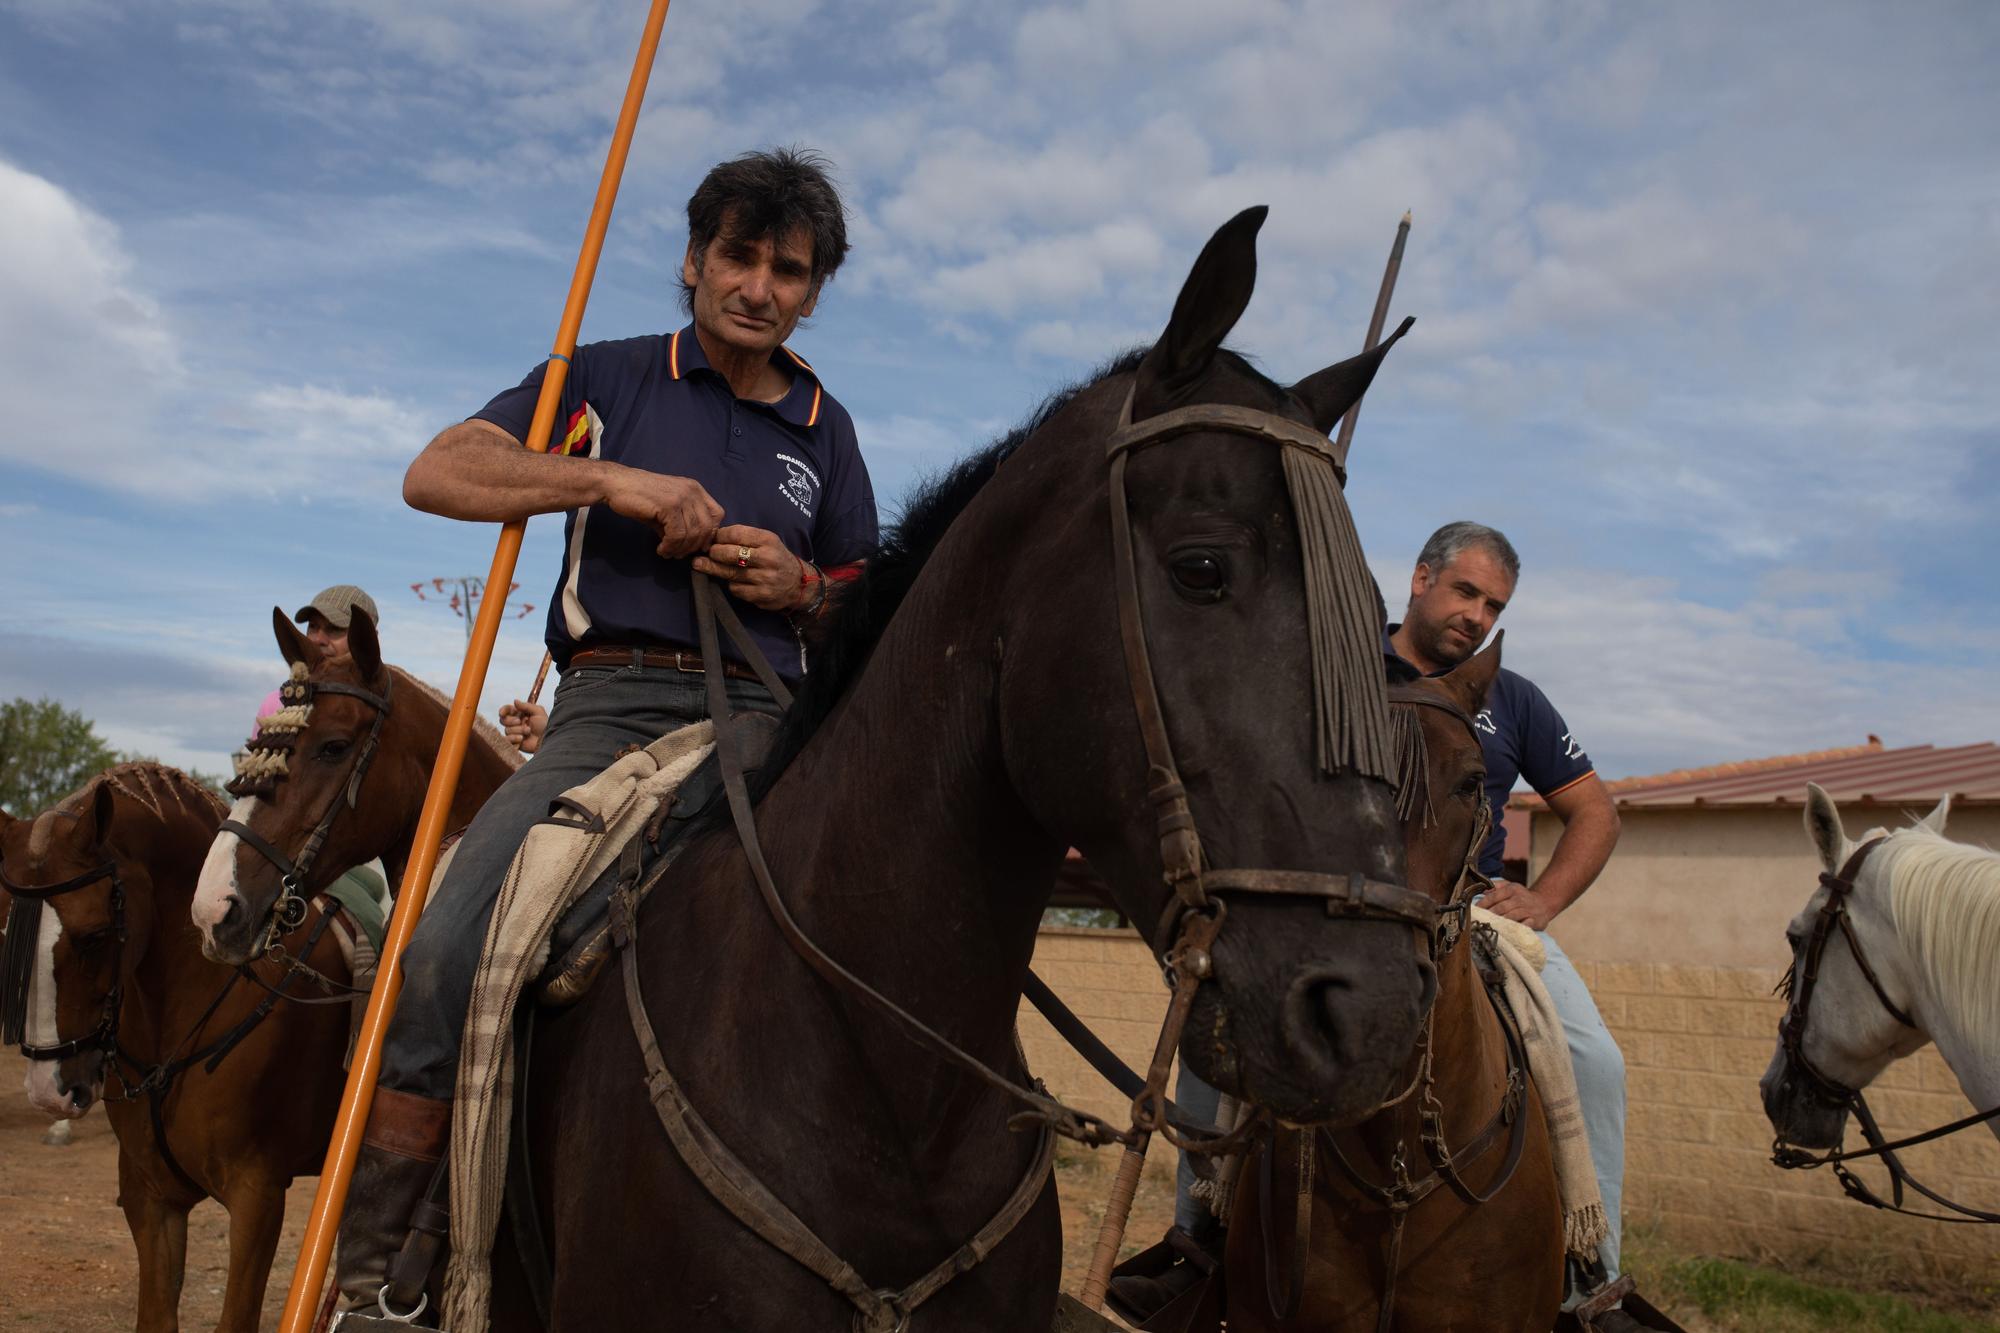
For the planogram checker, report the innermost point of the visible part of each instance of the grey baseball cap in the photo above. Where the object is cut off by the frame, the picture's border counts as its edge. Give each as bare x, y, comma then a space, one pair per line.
338, 604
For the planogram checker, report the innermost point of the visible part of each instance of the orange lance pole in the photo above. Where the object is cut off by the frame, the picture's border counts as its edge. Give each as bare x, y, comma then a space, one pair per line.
331, 1196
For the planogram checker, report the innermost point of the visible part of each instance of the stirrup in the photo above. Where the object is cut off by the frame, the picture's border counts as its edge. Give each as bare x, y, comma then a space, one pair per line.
386, 1320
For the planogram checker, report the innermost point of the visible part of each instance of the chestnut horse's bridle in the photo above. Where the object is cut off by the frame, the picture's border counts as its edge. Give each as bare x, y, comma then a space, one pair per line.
1283, 1290
289, 911
1797, 985
104, 1036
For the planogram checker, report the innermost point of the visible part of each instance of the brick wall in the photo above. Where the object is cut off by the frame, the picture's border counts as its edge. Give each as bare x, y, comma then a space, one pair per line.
1110, 979
1696, 1040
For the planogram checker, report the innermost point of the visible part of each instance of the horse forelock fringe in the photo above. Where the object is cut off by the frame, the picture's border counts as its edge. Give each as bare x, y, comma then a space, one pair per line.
17, 966
1354, 730
1413, 774
1944, 898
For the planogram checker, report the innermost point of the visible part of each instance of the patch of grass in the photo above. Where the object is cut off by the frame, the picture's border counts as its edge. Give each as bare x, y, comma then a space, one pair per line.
1729, 1294
1742, 1296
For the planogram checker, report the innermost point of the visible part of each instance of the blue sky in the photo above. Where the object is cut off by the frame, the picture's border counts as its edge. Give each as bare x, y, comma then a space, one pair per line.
1705, 295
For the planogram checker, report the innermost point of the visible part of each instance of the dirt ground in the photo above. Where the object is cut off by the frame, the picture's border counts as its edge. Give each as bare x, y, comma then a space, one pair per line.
66, 1260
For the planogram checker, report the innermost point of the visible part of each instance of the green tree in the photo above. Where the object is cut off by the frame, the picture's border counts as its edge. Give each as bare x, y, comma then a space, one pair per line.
46, 752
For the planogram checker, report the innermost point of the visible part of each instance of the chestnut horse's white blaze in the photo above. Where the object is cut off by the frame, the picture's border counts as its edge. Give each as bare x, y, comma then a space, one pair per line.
40, 1030
216, 888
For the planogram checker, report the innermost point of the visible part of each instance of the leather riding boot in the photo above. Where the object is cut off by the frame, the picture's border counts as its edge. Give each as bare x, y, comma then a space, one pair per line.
1149, 1282
400, 1155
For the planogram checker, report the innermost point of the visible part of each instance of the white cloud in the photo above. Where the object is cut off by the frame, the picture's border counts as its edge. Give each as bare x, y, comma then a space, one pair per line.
82, 347
104, 391
1651, 679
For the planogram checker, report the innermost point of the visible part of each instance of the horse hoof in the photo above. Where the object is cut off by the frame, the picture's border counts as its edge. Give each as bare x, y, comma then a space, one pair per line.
58, 1135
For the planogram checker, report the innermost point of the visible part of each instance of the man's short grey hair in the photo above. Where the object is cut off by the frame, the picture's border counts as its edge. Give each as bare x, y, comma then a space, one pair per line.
1454, 539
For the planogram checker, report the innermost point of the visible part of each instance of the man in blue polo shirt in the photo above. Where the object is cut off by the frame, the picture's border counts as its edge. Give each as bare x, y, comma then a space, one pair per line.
1464, 578
713, 448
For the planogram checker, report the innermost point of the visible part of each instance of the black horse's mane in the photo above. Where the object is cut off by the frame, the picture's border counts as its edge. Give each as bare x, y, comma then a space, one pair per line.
848, 639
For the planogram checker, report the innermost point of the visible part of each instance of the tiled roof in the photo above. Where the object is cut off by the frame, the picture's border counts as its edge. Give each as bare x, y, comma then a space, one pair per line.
1857, 774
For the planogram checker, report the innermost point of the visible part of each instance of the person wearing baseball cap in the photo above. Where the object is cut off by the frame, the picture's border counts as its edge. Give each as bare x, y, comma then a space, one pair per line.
326, 618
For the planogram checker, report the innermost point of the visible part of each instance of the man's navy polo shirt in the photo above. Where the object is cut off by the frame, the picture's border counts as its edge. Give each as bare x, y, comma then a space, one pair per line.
1522, 736
791, 467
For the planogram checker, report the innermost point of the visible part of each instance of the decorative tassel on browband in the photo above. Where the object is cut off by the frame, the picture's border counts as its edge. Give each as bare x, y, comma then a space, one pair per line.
1413, 774
1342, 616
265, 756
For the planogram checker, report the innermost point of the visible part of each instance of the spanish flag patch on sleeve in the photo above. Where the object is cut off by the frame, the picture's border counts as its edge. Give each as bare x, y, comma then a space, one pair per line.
580, 436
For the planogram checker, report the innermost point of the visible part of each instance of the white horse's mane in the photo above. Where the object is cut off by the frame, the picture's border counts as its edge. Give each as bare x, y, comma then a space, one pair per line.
1944, 898
484, 730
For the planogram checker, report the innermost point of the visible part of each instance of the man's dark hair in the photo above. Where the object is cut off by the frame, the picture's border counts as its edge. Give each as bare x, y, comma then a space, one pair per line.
1448, 541
769, 193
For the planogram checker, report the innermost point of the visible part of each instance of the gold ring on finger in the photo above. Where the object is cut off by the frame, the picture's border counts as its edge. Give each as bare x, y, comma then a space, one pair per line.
743, 557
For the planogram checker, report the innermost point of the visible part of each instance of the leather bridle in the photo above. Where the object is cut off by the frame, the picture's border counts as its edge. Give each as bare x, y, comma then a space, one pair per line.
1402, 1192
1353, 896
104, 1036
1193, 917
288, 913
1798, 985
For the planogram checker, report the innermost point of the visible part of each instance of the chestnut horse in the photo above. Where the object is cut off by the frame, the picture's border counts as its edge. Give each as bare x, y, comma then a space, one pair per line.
346, 779
1496, 1265
207, 1099
971, 716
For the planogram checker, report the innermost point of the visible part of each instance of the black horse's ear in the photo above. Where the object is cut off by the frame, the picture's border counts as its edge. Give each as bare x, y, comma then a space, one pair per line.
363, 645
1472, 680
292, 641
1212, 299
1328, 393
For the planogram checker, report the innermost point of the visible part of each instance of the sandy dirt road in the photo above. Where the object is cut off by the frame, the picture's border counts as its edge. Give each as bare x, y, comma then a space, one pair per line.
66, 1259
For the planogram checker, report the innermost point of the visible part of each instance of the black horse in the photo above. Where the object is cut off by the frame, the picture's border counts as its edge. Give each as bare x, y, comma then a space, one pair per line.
970, 718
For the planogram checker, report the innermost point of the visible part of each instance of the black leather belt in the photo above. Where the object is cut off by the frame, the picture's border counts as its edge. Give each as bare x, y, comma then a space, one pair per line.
660, 655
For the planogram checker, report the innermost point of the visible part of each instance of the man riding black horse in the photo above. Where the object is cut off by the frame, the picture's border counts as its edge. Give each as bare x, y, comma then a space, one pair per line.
714, 448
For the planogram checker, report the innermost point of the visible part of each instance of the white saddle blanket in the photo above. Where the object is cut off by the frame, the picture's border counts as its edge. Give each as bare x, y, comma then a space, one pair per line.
1521, 958
556, 862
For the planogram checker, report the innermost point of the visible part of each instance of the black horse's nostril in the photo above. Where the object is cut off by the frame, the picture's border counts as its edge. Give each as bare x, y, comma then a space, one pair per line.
232, 912
1314, 1026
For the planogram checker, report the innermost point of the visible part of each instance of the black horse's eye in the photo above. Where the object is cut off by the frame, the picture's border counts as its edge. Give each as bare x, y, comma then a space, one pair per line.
331, 750
1473, 785
97, 941
1200, 574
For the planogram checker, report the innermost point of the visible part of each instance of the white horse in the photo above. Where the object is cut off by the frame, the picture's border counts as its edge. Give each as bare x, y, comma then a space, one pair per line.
1923, 916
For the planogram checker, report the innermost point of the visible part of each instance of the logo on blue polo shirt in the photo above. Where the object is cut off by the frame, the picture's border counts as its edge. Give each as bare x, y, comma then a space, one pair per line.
801, 484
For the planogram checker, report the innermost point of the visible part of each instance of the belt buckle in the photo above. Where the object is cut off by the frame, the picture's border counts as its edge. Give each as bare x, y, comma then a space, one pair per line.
681, 663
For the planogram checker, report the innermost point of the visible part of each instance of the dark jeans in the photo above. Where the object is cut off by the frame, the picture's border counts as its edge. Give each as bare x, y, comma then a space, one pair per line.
597, 712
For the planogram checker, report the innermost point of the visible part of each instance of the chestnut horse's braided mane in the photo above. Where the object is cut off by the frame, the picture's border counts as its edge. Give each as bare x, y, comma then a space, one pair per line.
154, 785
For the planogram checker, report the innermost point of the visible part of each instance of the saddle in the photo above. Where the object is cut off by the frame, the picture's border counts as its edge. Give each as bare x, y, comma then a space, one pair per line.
625, 827
581, 943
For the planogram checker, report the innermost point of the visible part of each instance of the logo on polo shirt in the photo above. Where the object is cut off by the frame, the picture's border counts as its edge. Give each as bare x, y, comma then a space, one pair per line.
801, 484
1484, 722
